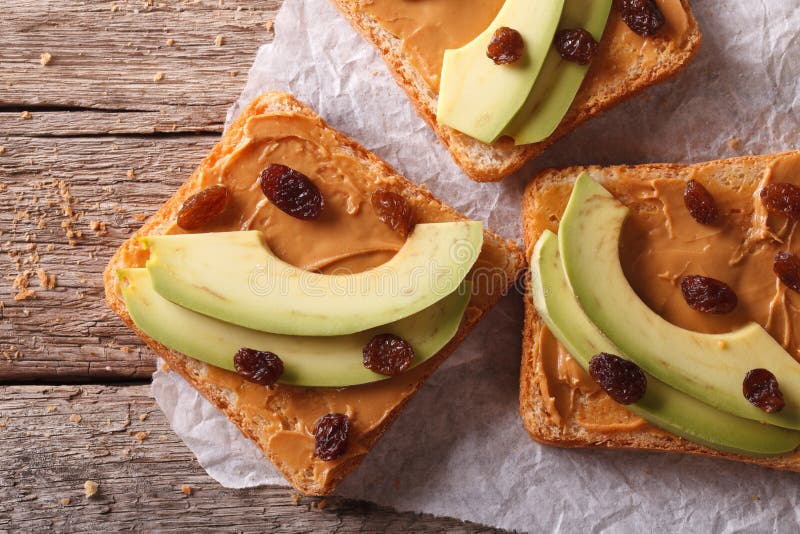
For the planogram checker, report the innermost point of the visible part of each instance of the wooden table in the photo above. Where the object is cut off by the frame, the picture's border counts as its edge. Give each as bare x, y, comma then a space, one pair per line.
105, 108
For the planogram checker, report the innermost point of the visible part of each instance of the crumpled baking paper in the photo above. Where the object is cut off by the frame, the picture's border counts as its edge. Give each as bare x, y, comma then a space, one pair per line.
459, 448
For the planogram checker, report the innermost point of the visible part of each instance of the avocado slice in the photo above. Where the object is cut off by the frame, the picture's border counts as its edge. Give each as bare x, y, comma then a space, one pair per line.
235, 277
334, 361
709, 367
663, 406
559, 80
479, 98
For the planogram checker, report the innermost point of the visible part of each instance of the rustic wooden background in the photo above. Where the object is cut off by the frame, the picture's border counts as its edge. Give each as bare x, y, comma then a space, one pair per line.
131, 97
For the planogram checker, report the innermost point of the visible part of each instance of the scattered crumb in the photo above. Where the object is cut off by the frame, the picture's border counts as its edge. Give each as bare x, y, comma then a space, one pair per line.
141, 436
90, 488
723, 344
65, 501
734, 143
374, 73
25, 114
131, 174
45, 58
158, 76
756, 498
75, 418
143, 416
295, 499
269, 25
20, 283
2, 424
322, 504
170, 42
46, 281
164, 367
219, 41
140, 217
186, 489
51, 409
234, 73
126, 350
99, 228
114, 8
2, 150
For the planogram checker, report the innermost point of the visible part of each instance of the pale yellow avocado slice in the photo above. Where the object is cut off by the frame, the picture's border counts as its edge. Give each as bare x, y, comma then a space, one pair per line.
308, 361
559, 79
661, 405
709, 367
478, 97
234, 277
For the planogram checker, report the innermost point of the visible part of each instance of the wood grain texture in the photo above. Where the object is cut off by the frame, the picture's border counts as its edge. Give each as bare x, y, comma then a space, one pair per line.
55, 438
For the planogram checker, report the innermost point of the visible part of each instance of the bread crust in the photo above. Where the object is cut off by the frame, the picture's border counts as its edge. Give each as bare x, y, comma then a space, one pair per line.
427, 208
492, 163
730, 172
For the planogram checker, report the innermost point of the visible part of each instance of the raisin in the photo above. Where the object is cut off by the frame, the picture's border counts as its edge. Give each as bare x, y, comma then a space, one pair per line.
387, 354
624, 381
257, 366
576, 45
506, 46
292, 192
782, 198
203, 207
787, 268
760, 388
330, 436
700, 203
642, 16
708, 295
393, 210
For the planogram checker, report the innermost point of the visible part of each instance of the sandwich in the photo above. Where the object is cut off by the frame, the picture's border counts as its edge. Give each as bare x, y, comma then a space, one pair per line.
662, 309
305, 288
500, 81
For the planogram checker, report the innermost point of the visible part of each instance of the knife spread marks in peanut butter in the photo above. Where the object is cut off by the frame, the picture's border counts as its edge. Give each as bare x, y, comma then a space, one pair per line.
429, 27
660, 243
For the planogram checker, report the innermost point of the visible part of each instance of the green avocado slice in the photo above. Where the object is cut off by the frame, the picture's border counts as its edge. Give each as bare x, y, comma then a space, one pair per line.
559, 80
478, 97
661, 405
234, 277
709, 367
308, 361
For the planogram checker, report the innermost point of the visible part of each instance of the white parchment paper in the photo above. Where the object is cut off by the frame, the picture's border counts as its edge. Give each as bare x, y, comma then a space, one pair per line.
459, 449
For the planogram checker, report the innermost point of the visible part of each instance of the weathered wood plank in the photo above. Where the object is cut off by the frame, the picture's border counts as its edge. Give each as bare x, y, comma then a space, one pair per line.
67, 333
116, 55
55, 438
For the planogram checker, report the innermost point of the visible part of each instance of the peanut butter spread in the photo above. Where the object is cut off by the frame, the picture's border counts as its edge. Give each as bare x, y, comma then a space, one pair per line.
661, 243
429, 27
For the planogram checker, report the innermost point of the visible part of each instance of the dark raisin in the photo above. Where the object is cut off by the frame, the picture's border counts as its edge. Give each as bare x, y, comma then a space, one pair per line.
257, 366
642, 16
624, 381
576, 45
700, 203
787, 267
782, 198
292, 192
393, 210
387, 354
708, 295
330, 436
203, 207
506, 46
760, 387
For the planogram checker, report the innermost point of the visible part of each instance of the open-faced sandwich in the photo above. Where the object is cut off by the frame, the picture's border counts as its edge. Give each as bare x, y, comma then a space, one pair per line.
664, 308
499, 81
305, 288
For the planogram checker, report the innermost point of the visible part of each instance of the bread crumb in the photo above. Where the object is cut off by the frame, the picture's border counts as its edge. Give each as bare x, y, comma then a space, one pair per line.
143, 416
20, 283
114, 8
186, 489
51, 409
170, 42
734, 143
90, 488
45, 58
126, 350
131, 174
295, 499
219, 40
322, 504
99, 228
756, 498
722, 344
75, 418
158, 76
46, 281
141, 436
2, 151
65, 501
234, 73
269, 25
25, 114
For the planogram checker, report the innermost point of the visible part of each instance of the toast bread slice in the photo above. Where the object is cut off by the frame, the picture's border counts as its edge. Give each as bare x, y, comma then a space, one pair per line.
740, 176
617, 73
497, 253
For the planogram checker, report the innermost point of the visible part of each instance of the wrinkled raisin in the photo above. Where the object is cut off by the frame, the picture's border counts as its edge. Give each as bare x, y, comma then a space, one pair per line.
330, 436
393, 210
624, 381
576, 45
203, 207
700, 203
783, 198
708, 295
787, 267
760, 387
292, 192
387, 354
506, 46
257, 366
642, 16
